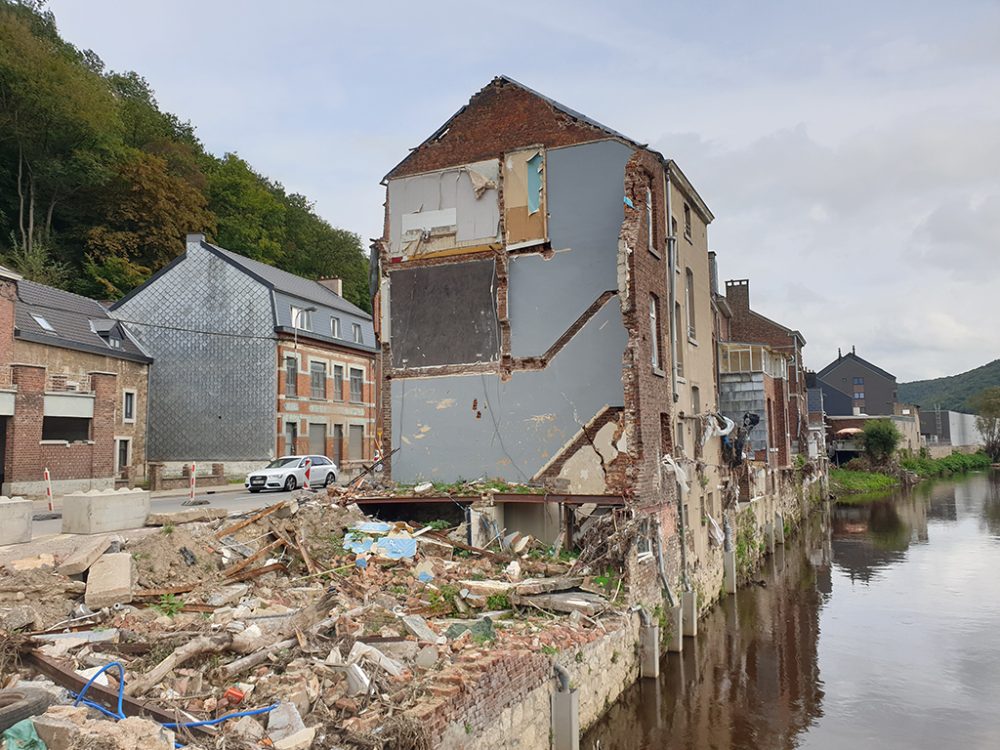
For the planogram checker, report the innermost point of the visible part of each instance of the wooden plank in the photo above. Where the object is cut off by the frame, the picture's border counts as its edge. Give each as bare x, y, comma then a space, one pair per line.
264, 551
306, 558
247, 521
106, 696
246, 575
157, 593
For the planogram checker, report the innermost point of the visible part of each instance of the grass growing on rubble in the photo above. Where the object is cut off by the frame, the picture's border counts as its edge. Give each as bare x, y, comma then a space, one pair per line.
169, 605
497, 601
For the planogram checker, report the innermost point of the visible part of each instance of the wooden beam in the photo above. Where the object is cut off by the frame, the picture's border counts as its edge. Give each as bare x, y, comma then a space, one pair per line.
247, 521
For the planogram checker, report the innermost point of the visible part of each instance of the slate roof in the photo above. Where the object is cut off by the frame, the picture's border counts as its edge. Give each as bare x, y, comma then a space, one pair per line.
73, 319
289, 283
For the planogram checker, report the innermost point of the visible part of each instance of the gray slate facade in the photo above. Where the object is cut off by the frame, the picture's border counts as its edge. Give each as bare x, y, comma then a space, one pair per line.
210, 319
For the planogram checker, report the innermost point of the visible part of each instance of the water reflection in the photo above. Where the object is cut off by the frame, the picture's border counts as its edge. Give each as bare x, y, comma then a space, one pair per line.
879, 628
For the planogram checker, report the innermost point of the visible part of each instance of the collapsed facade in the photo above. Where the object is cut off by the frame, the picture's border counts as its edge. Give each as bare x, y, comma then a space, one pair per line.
546, 315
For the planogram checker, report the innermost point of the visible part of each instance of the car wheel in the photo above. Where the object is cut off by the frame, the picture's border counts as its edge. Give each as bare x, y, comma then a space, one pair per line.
254, 491
290, 483
330, 479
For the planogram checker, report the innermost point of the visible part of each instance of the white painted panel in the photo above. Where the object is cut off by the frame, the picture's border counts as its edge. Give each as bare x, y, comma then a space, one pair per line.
69, 405
428, 220
6, 404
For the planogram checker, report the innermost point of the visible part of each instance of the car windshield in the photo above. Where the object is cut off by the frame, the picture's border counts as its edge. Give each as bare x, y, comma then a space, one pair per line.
279, 462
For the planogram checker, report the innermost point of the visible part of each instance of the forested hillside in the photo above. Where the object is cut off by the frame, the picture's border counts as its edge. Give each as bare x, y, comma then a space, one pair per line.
952, 392
98, 185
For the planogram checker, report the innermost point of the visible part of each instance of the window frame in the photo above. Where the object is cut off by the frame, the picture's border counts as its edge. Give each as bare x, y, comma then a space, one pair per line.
689, 303
335, 330
338, 382
655, 335
291, 376
357, 335
361, 395
126, 392
303, 315
687, 221
315, 368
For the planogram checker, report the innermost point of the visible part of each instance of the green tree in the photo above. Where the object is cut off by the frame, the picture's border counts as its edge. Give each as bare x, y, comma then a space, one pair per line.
251, 218
987, 407
880, 439
148, 211
35, 262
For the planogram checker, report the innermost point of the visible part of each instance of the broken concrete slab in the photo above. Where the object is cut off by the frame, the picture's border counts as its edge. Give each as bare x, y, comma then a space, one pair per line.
110, 581
567, 601
15, 520
247, 729
85, 554
101, 511
301, 740
18, 618
44, 560
190, 515
417, 625
228, 595
547, 585
284, 721
427, 657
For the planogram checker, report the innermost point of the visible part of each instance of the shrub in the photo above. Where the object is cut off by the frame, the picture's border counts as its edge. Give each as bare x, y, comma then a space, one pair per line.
880, 439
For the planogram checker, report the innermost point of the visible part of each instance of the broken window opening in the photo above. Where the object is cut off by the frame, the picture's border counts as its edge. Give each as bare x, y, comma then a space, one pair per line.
70, 429
534, 183
654, 331
650, 244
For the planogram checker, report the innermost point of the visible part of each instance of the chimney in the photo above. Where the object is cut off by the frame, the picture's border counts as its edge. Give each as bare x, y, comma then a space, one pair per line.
852, 349
839, 355
195, 238
334, 284
713, 272
738, 293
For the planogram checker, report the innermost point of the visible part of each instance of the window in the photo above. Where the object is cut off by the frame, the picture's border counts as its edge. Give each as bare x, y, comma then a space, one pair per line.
335, 327
673, 227
291, 377
70, 429
356, 331
122, 456
858, 395
654, 332
291, 436
46, 326
357, 381
680, 437
691, 331
301, 318
317, 380
859, 381
649, 219
687, 221
128, 406
678, 327
357, 442
644, 540
338, 443
695, 400
338, 383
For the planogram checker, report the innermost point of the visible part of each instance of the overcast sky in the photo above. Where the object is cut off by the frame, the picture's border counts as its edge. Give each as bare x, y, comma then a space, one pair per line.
850, 151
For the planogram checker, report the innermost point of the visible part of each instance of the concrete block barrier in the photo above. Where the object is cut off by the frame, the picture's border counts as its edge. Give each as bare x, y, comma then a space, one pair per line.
100, 511
15, 520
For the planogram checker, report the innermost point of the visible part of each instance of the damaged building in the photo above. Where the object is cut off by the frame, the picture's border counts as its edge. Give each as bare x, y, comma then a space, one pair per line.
545, 317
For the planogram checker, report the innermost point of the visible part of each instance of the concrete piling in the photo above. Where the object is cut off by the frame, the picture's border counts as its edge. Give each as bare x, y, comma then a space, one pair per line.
566, 720
729, 564
649, 651
689, 606
675, 616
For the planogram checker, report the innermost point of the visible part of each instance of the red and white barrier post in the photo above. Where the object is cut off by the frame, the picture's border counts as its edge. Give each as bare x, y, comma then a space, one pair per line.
191, 485
305, 485
48, 488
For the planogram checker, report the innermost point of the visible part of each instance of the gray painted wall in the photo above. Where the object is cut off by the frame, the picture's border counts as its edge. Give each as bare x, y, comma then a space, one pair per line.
585, 187
471, 426
210, 397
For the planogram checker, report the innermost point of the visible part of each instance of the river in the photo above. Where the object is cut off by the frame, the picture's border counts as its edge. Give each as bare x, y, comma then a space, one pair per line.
878, 627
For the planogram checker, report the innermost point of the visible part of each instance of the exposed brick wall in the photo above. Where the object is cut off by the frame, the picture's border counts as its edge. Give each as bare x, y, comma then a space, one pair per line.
8, 296
498, 118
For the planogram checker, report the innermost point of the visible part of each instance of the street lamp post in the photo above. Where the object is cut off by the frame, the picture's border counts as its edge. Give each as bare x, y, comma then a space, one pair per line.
297, 319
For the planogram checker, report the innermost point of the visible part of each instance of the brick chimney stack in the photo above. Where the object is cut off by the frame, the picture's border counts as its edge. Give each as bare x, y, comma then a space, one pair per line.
334, 284
738, 294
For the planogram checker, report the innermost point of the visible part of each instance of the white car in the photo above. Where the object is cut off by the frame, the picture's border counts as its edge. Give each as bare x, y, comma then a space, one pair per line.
289, 473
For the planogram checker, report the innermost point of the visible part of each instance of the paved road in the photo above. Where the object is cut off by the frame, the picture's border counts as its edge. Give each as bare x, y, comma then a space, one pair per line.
232, 501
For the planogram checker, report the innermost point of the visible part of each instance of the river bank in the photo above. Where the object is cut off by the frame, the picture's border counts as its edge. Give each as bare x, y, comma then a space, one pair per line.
856, 480
874, 628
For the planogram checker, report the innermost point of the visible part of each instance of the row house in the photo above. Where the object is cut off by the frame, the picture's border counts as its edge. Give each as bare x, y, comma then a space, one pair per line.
73, 392
544, 313
252, 363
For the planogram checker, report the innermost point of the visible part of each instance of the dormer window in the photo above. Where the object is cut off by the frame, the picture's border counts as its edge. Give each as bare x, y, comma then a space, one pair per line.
45, 325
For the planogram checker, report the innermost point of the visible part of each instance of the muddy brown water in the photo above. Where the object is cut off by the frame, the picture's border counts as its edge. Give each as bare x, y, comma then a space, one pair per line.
879, 627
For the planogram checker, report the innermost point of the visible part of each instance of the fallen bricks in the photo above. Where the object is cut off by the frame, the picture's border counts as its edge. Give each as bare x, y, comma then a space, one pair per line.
276, 607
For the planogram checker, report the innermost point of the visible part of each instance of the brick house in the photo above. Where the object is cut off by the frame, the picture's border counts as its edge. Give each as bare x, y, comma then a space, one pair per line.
534, 294
788, 419
73, 392
252, 363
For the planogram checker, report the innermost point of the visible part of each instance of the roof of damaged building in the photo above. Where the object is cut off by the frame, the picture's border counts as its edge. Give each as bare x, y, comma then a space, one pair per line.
54, 317
575, 117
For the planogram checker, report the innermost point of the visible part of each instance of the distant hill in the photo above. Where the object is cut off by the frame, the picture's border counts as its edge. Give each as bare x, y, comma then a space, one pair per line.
952, 392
